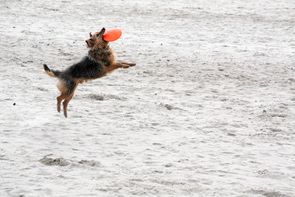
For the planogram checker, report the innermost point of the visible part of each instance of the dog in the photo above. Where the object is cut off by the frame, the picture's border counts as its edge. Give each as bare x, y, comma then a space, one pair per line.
98, 63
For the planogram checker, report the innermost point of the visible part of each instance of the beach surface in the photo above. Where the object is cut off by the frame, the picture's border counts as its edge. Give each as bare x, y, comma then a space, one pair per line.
209, 109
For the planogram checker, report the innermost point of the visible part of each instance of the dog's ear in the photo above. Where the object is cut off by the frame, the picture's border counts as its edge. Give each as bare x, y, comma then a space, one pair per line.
101, 32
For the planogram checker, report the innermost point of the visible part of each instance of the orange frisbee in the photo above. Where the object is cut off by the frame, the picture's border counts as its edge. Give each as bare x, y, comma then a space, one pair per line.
112, 34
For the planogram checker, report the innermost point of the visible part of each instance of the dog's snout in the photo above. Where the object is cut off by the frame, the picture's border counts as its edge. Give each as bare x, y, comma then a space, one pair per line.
86, 41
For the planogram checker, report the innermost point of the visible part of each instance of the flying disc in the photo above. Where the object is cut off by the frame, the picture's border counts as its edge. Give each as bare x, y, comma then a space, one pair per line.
111, 35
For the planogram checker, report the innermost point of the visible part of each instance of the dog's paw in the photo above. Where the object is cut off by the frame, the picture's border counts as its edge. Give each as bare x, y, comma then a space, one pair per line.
132, 64
127, 65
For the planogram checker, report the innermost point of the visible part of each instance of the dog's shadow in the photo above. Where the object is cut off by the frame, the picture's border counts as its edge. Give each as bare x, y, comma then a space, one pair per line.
102, 97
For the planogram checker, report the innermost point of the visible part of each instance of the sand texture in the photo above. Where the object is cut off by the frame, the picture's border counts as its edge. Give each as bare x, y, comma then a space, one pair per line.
209, 110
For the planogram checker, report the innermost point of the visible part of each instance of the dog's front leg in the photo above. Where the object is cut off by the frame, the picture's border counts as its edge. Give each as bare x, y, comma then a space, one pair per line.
123, 64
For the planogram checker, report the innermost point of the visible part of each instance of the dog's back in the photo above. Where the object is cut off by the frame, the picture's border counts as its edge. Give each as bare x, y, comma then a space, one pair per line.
86, 69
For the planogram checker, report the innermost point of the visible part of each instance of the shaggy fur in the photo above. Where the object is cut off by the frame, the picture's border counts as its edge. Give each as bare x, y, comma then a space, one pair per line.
99, 62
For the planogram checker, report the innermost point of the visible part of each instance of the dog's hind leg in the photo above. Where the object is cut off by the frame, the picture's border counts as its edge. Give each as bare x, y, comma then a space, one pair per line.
59, 99
65, 105
63, 93
71, 87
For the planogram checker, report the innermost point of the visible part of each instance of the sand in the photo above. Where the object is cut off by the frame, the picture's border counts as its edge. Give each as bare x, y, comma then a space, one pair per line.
209, 110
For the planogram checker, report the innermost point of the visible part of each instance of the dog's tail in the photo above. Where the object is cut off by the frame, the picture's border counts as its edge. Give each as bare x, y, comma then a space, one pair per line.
51, 73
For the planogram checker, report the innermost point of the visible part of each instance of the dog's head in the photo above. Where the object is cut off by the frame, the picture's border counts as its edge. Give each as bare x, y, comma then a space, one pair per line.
96, 40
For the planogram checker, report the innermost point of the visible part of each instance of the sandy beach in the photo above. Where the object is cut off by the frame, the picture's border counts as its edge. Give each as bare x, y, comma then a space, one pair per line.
209, 109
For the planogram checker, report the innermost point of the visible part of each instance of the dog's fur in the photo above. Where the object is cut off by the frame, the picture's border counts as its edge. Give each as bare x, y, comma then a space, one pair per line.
99, 62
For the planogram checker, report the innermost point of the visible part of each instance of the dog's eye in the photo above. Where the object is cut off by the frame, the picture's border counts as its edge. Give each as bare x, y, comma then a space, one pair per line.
90, 34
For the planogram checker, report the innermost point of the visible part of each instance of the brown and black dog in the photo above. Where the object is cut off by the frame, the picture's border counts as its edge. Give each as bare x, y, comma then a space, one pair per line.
99, 62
